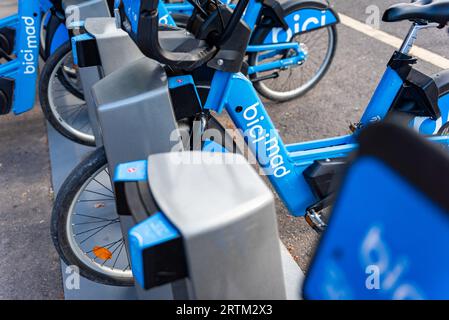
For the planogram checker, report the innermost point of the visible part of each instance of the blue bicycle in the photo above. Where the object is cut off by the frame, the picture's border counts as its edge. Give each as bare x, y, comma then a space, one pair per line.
301, 173
21, 37
19, 58
292, 47
53, 30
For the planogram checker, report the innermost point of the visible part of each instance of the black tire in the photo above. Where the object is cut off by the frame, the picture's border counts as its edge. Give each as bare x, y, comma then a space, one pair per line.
261, 33
44, 82
42, 37
64, 200
42, 52
444, 130
69, 86
88, 167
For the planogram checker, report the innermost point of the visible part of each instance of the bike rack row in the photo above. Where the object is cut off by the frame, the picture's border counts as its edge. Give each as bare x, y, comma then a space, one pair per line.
234, 227
65, 155
114, 98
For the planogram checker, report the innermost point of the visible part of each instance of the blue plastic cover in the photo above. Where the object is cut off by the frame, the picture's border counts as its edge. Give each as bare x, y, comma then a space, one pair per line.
151, 232
131, 171
385, 240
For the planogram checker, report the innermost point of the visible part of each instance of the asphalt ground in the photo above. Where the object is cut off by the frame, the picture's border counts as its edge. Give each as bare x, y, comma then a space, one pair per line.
29, 267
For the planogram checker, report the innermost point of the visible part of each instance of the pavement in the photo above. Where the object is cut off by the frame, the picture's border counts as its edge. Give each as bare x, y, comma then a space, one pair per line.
29, 268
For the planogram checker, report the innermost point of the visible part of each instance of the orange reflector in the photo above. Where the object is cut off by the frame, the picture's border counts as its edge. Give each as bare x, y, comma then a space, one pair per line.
102, 253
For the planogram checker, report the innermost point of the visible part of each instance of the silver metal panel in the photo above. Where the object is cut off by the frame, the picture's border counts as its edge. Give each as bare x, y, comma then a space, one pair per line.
227, 217
64, 156
81, 10
293, 275
116, 47
135, 112
89, 76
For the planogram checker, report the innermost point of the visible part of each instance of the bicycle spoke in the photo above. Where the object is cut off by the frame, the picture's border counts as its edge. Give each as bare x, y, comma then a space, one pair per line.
95, 233
95, 200
101, 184
118, 255
96, 228
86, 223
93, 217
112, 253
99, 193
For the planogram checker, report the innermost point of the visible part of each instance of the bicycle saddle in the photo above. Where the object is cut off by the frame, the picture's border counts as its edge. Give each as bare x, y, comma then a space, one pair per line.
427, 10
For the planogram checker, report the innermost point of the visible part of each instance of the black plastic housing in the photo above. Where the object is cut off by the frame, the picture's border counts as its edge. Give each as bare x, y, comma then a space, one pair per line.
419, 94
322, 176
7, 39
6, 95
164, 263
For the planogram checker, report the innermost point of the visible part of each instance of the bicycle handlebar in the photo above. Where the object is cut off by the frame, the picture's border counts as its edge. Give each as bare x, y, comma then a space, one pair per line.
150, 46
148, 41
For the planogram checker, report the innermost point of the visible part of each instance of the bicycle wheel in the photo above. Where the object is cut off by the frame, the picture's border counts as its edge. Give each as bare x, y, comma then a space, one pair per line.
295, 81
85, 225
61, 97
444, 131
43, 35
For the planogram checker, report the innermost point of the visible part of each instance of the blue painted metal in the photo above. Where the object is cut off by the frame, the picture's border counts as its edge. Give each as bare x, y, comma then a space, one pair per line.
247, 112
299, 21
61, 36
284, 164
10, 21
273, 50
153, 231
383, 97
252, 13
132, 8
307, 145
273, 47
164, 16
45, 5
213, 146
278, 64
186, 8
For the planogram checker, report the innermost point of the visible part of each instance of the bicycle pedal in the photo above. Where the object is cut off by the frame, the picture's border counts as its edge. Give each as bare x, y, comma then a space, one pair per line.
315, 220
354, 126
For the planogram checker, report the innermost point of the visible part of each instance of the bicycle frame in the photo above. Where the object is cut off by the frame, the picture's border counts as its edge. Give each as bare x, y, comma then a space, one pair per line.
285, 164
59, 33
275, 43
23, 70
278, 40
45, 5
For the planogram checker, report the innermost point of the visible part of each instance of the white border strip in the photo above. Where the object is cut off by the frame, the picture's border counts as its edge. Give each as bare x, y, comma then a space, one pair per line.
393, 41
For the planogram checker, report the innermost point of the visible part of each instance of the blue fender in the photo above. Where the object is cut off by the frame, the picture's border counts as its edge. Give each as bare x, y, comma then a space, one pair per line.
301, 17
60, 37
57, 33
45, 5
